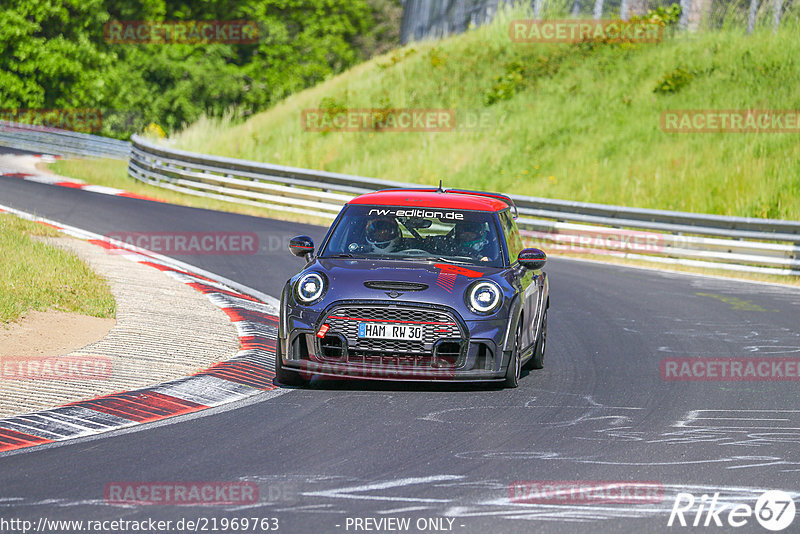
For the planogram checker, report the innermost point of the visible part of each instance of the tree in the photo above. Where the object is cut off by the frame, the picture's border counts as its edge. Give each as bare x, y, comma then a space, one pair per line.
47, 57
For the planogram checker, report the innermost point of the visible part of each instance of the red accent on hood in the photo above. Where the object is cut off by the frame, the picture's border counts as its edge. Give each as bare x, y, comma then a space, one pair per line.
455, 269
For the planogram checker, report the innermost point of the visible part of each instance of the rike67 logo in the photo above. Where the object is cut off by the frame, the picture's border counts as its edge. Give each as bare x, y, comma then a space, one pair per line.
774, 510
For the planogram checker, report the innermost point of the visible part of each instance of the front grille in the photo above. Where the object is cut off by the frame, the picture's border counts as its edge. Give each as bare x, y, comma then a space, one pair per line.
436, 324
394, 313
332, 348
449, 350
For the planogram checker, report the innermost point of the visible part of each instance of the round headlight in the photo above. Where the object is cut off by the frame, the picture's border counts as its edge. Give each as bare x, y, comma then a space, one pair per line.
309, 287
484, 297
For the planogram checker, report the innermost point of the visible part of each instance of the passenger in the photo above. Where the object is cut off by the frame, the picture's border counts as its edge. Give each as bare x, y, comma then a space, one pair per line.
472, 240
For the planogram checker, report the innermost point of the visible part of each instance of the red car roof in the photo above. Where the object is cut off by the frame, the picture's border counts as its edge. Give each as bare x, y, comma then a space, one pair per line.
431, 199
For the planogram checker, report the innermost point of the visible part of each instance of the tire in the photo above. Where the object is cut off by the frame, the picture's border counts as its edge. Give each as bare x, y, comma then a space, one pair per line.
286, 377
514, 369
537, 361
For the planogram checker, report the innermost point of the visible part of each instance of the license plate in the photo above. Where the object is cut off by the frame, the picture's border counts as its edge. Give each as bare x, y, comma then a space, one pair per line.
390, 331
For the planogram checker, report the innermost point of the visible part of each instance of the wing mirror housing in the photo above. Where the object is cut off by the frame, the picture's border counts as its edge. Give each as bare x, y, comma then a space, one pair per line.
302, 246
532, 258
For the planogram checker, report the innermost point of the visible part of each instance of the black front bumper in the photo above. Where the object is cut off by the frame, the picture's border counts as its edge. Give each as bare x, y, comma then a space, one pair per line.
446, 352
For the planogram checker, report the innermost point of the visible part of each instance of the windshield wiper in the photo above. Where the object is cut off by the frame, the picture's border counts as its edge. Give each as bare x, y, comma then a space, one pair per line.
434, 258
452, 260
402, 258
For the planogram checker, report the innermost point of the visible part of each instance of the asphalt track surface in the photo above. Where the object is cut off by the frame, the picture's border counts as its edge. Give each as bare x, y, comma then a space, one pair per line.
338, 451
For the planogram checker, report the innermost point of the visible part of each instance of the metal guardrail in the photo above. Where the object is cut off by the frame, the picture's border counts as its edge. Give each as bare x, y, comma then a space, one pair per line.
277, 187
765, 246
61, 142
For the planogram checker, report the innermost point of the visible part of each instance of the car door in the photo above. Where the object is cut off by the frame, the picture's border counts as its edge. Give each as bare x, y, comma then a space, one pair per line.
527, 279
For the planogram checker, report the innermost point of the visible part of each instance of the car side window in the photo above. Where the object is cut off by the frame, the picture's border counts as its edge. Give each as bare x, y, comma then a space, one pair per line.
511, 233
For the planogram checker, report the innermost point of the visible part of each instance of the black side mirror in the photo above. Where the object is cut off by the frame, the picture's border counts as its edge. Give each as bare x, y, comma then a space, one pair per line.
532, 258
301, 246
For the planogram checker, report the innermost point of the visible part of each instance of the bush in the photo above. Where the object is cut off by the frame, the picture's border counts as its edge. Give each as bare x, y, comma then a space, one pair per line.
507, 85
673, 81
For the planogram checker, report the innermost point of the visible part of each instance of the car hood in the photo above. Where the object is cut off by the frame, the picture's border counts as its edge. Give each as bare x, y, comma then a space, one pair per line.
395, 280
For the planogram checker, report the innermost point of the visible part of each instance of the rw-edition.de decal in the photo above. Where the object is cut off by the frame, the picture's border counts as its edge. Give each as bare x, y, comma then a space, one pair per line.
247, 373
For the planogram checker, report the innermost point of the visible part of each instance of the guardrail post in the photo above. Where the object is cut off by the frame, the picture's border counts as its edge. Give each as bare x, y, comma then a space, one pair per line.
751, 16
598, 9
776, 16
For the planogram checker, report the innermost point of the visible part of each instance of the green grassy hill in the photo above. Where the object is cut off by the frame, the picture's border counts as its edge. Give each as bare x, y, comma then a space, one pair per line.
569, 121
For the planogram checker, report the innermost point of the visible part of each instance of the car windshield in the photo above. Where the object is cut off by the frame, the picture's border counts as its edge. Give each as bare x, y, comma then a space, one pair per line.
402, 233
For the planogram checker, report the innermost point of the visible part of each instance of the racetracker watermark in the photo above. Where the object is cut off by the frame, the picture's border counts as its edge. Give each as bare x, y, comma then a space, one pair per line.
730, 121
181, 493
55, 368
189, 243
75, 119
575, 31
730, 369
181, 32
605, 241
397, 120
584, 492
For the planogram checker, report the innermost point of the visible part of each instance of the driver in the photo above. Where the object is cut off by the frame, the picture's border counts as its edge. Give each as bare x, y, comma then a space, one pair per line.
472, 239
383, 234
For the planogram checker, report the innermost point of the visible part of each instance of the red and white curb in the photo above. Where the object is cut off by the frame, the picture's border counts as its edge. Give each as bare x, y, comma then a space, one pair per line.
47, 158
52, 179
249, 372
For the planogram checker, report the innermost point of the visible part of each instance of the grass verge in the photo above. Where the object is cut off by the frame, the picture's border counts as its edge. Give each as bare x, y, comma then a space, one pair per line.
38, 276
